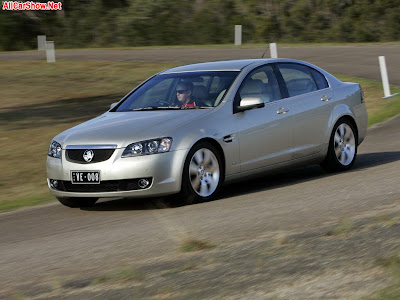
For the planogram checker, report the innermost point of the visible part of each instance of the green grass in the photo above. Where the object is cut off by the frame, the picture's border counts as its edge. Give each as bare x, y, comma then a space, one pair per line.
379, 109
185, 267
24, 202
389, 220
125, 274
392, 292
345, 226
39, 100
190, 245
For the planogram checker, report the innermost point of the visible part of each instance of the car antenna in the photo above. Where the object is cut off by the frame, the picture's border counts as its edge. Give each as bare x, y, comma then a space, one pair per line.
265, 51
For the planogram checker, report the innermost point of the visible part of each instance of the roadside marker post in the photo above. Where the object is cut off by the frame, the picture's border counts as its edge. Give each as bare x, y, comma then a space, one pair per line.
385, 79
41, 41
273, 50
238, 35
50, 53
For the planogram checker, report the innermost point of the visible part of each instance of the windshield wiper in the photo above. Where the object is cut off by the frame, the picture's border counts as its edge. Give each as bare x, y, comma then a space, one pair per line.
197, 107
156, 108
169, 108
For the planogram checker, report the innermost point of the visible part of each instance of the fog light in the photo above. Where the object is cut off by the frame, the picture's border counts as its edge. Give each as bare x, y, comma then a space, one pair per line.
143, 183
54, 183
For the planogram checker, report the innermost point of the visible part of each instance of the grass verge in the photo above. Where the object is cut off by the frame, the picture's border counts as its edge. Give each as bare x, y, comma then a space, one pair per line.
392, 292
126, 275
190, 245
41, 100
24, 202
344, 227
379, 110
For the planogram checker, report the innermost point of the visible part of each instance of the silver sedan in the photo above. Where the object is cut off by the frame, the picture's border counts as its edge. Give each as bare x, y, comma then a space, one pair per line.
189, 129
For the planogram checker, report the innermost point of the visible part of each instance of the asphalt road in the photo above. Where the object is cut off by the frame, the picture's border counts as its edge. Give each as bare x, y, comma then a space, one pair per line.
41, 244
358, 61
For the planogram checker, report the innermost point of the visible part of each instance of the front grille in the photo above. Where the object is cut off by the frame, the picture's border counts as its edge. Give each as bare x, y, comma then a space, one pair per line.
76, 155
104, 186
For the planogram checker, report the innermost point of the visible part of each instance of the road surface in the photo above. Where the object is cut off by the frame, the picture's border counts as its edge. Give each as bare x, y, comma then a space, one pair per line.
43, 243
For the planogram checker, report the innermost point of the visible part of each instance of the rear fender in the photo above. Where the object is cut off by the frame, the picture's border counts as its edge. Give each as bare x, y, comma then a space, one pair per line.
339, 111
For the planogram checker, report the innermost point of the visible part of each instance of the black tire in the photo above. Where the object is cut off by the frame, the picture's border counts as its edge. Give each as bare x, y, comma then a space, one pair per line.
342, 151
211, 174
77, 202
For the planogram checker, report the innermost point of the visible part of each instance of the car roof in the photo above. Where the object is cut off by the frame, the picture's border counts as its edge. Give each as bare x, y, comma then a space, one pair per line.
226, 65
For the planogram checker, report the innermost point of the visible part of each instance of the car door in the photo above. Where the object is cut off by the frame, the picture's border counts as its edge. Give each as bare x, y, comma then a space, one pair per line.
311, 107
265, 134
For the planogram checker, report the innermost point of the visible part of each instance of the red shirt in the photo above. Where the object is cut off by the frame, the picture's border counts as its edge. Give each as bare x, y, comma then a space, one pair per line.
189, 104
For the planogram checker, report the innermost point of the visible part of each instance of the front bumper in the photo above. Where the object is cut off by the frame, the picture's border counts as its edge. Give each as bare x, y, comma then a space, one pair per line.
164, 169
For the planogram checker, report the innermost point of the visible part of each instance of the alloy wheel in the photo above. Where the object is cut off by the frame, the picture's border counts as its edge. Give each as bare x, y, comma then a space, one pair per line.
204, 172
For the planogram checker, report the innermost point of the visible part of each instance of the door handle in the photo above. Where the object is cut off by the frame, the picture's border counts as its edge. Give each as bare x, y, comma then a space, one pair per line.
282, 111
325, 98
229, 138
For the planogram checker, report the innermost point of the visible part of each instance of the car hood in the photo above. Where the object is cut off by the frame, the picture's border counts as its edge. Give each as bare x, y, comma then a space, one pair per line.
124, 128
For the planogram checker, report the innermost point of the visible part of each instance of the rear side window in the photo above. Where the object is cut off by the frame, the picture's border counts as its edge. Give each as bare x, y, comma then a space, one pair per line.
297, 78
319, 79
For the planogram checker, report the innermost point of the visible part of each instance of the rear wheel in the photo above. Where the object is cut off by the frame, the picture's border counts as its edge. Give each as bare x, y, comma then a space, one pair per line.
77, 202
203, 174
342, 150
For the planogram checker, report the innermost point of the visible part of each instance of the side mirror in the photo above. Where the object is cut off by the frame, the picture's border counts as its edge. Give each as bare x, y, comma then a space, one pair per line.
113, 105
250, 103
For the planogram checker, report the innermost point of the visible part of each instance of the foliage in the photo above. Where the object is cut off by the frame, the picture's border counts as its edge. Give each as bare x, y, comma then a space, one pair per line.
101, 23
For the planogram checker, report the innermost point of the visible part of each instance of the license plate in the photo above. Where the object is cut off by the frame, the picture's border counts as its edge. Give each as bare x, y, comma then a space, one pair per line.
91, 177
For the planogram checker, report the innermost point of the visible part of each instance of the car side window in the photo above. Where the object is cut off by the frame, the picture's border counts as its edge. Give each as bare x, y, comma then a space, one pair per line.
261, 83
320, 79
297, 78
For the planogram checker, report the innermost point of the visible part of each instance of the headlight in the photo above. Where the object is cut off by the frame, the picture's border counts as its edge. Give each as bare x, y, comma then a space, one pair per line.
148, 147
54, 150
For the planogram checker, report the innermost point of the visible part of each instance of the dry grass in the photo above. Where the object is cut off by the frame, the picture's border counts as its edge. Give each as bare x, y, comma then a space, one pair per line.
122, 275
190, 245
40, 100
345, 226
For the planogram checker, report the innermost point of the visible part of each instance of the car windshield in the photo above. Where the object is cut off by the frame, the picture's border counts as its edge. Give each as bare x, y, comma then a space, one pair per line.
189, 90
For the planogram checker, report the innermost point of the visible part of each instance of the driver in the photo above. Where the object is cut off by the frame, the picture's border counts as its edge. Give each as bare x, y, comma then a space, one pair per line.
184, 91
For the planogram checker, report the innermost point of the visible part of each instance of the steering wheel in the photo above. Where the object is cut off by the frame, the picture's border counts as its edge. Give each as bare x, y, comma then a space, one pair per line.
162, 103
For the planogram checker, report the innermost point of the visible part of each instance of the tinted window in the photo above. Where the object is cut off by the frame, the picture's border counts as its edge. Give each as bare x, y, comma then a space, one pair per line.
261, 83
208, 90
319, 79
297, 78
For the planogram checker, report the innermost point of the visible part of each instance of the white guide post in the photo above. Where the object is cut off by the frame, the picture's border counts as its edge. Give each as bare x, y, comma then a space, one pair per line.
41, 42
50, 53
385, 79
238, 35
273, 50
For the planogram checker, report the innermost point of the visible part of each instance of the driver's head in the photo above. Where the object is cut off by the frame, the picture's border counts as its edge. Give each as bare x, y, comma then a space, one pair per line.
184, 91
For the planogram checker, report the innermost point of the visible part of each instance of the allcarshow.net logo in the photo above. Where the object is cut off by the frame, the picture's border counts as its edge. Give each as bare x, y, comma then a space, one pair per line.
30, 5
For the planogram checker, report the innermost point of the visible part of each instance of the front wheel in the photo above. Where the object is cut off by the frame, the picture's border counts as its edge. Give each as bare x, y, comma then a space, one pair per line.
342, 150
203, 174
77, 202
